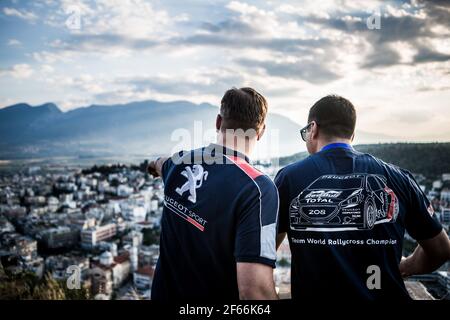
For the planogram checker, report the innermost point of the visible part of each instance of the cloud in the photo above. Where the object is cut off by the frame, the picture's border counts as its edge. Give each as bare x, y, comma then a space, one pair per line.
114, 27
137, 19
410, 23
412, 117
215, 82
382, 56
104, 43
86, 83
426, 89
425, 54
19, 71
47, 69
132, 28
310, 71
49, 57
22, 14
228, 27
14, 42
282, 45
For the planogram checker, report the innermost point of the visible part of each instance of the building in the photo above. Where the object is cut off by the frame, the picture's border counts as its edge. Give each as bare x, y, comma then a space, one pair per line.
154, 203
121, 269
15, 212
148, 255
5, 225
438, 282
133, 256
58, 265
60, 237
91, 236
115, 270
417, 291
133, 238
101, 281
443, 278
445, 195
53, 204
437, 184
82, 223
124, 190
134, 213
143, 278
26, 247
36, 266
445, 216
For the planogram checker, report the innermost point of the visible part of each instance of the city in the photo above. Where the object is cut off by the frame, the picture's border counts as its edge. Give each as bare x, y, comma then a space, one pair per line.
95, 231
104, 222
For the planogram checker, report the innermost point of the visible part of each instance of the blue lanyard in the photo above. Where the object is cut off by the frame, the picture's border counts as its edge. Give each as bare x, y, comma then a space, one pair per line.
337, 145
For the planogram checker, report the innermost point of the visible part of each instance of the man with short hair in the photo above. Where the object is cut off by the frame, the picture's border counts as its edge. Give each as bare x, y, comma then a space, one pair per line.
346, 212
218, 228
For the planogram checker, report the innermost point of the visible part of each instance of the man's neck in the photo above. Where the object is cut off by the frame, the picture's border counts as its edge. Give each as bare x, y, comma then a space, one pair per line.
237, 143
323, 143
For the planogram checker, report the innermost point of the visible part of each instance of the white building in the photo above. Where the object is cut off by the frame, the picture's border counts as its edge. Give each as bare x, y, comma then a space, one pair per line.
117, 268
143, 278
53, 204
445, 195
102, 186
90, 237
445, 215
437, 184
135, 214
133, 238
124, 190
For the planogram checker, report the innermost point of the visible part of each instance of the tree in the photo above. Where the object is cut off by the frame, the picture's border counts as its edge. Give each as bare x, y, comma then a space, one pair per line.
283, 263
150, 236
26, 286
49, 289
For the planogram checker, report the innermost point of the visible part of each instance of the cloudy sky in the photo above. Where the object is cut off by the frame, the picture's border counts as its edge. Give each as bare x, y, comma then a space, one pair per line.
77, 53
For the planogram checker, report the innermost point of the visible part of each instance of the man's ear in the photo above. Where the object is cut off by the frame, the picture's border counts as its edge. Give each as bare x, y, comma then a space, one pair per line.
353, 137
261, 132
218, 122
314, 130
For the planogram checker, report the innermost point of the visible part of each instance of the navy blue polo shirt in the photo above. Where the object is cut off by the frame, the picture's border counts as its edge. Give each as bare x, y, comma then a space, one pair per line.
218, 210
346, 212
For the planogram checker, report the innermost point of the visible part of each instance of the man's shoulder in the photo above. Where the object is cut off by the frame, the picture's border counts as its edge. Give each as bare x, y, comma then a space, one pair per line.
251, 174
312, 163
299, 165
194, 156
387, 166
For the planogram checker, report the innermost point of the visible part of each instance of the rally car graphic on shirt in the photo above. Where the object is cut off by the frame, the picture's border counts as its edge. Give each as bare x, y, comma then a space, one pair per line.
344, 202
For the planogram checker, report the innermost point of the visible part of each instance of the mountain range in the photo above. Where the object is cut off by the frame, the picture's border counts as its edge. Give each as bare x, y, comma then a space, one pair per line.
136, 128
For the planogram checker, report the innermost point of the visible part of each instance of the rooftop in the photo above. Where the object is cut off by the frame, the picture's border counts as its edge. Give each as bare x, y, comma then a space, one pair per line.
418, 291
147, 270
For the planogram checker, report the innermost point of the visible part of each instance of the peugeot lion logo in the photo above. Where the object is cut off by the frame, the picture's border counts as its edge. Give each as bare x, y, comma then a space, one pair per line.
195, 177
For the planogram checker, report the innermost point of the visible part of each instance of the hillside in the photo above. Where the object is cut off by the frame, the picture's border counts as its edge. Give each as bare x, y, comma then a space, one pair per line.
429, 159
136, 128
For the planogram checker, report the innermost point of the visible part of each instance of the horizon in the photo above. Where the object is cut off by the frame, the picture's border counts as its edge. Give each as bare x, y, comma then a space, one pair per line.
80, 53
385, 140
367, 138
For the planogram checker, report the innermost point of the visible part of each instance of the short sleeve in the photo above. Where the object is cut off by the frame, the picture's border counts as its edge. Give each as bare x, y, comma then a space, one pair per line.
419, 221
166, 167
281, 183
256, 224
